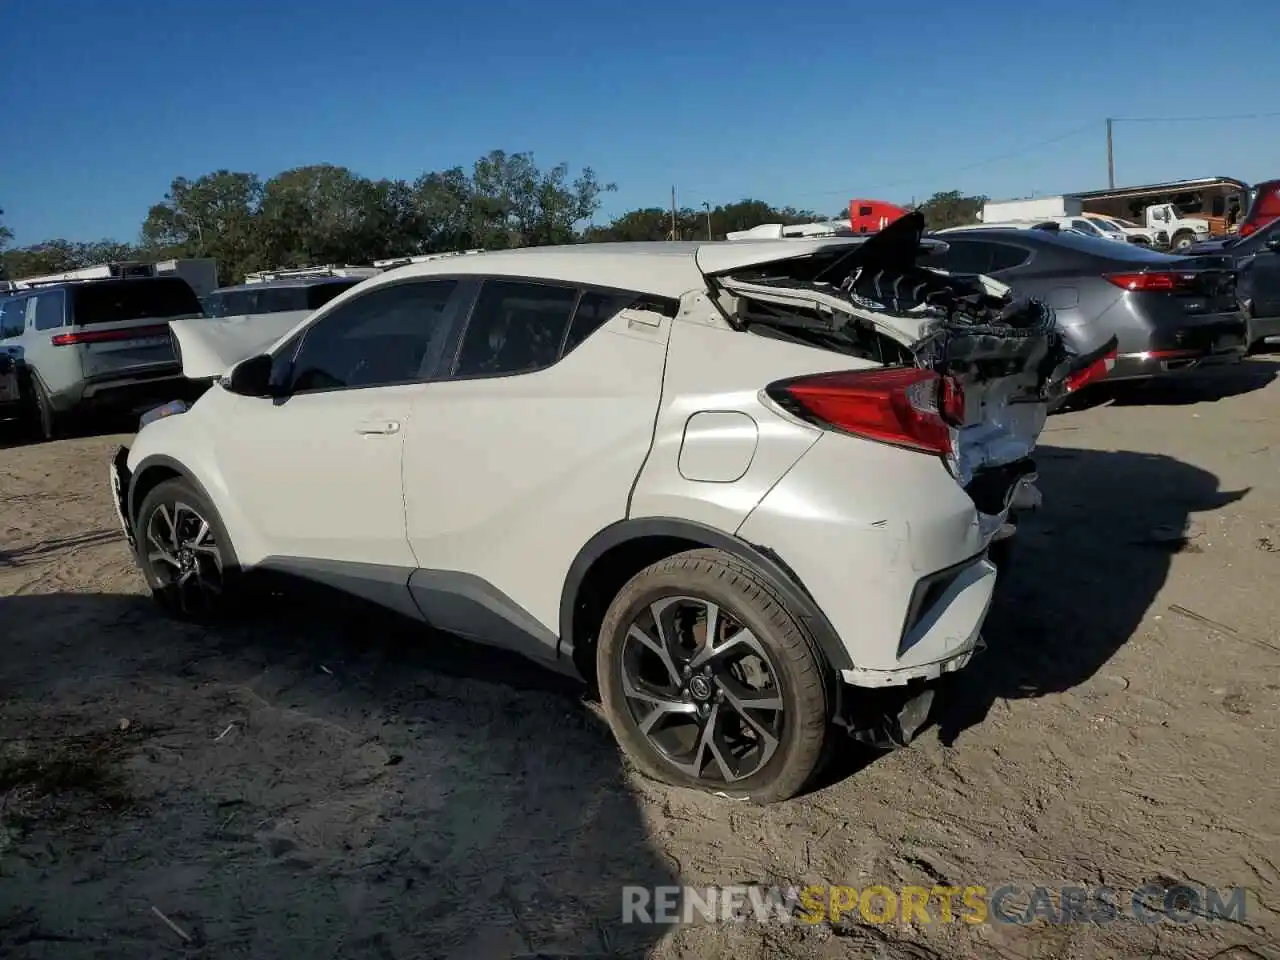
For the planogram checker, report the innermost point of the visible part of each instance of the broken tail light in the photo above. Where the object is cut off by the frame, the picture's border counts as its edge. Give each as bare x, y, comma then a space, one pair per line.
907, 407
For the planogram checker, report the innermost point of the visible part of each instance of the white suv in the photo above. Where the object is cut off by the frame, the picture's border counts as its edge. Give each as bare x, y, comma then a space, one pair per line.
747, 488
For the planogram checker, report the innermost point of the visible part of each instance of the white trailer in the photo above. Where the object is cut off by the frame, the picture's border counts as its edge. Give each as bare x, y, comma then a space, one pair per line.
1030, 208
793, 231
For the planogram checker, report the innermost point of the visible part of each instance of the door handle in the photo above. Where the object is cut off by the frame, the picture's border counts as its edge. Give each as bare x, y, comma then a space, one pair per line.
378, 428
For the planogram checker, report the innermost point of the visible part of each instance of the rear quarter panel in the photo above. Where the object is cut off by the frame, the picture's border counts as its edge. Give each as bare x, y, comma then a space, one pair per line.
700, 469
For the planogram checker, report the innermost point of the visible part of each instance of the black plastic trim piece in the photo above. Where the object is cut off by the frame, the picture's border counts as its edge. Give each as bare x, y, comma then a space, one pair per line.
763, 560
160, 460
926, 593
473, 608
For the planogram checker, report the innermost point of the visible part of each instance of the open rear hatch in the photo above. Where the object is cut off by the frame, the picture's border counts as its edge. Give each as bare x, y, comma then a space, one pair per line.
999, 362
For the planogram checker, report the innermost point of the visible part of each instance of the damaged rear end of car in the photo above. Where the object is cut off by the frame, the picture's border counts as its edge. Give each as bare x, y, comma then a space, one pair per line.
943, 369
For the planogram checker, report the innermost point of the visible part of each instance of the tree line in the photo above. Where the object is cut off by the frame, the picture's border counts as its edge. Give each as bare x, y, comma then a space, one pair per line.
325, 213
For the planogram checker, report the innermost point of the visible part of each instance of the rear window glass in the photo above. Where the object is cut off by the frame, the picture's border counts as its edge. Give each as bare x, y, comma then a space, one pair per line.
321, 293
117, 301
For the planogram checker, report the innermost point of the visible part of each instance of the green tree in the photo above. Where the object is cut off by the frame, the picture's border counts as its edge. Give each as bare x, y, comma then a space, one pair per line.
215, 215
515, 203
950, 208
6, 235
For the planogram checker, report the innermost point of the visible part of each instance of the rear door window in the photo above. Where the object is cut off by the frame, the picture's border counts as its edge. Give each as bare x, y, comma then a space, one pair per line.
122, 301
49, 309
965, 256
517, 327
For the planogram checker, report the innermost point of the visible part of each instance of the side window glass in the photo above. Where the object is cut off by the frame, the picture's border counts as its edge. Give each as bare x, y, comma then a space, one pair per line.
392, 334
516, 327
13, 317
966, 256
1005, 257
49, 310
594, 311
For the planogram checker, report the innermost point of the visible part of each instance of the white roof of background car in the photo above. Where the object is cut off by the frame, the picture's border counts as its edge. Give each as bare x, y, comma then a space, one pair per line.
663, 268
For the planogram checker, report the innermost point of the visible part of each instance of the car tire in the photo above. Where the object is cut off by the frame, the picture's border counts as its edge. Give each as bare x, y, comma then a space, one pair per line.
45, 422
779, 743
185, 553
1181, 241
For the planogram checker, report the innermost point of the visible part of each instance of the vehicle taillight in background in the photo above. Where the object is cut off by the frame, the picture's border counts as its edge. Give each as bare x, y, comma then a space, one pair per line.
1154, 282
906, 407
108, 336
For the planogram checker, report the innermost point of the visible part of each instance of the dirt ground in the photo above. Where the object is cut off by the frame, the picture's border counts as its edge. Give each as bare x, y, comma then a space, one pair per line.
326, 782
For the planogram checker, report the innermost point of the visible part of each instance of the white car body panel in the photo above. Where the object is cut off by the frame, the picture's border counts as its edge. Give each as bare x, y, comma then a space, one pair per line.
209, 347
572, 444
319, 475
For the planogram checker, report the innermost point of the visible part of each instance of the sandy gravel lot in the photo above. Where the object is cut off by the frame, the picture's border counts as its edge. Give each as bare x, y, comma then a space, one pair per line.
327, 782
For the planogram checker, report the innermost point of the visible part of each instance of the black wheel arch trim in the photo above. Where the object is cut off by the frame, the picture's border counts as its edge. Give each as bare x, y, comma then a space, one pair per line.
765, 561
160, 460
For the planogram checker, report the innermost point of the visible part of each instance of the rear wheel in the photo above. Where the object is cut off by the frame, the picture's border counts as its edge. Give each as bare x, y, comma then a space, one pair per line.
45, 422
708, 681
185, 553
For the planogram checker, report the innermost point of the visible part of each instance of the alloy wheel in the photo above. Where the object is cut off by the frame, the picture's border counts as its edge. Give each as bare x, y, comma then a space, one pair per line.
702, 689
184, 556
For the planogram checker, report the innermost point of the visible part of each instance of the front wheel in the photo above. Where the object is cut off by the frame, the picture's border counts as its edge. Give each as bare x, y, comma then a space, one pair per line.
1182, 242
185, 553
708, 681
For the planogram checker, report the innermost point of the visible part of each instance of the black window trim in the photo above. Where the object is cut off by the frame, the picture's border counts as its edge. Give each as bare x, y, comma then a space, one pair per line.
1029, 252
469, 289
668, 307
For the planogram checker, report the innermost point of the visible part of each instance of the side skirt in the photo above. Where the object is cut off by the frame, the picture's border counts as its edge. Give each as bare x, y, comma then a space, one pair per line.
458, 603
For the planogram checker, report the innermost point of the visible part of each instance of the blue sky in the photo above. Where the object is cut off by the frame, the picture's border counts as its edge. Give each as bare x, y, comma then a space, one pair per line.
807, 102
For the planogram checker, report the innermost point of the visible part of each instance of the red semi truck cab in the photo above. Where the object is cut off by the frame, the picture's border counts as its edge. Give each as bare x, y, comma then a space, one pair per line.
870, 216
1264, 209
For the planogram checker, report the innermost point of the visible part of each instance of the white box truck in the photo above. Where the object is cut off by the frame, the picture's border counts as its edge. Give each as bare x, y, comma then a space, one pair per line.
1034, 208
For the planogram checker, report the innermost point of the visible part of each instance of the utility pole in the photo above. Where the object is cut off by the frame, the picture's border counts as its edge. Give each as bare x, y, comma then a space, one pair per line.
708, 206
673, 213
1111, 159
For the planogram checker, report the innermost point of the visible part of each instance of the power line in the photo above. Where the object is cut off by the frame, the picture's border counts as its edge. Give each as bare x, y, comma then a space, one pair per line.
1029, 148
1224, 116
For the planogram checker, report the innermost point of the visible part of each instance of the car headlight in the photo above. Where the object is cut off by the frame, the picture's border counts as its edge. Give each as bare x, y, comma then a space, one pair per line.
172, 408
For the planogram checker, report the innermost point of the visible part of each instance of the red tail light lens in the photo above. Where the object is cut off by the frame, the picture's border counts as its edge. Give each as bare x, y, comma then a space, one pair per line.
1153, 282
109, 336
1095, 371
906, 407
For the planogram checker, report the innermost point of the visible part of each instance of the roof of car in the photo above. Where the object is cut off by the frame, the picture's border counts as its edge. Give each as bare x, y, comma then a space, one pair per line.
287, 282
662, 268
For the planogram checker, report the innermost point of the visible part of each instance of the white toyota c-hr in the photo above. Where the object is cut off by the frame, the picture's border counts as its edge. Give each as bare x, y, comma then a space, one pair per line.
747, 489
